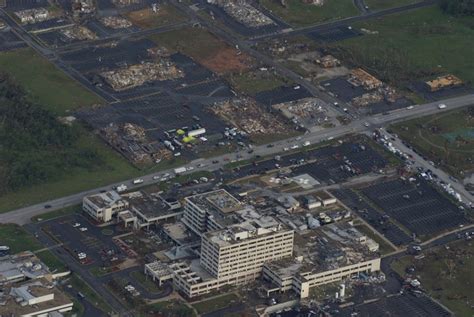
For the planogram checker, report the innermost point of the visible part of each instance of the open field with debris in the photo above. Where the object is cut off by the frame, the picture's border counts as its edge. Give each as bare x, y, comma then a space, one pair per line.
206, 49
415, 45
298, 13
446, 274
147, 19
255, 81
45, 83
447, 139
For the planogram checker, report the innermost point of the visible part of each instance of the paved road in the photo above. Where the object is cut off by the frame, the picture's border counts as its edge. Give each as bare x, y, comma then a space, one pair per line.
23, 215
466, 196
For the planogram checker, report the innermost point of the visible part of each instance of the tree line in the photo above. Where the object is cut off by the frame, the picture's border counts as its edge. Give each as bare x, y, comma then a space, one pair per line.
458, 7
34, 146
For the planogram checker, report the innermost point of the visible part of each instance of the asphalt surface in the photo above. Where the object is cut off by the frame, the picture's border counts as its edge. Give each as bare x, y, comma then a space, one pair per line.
23, 215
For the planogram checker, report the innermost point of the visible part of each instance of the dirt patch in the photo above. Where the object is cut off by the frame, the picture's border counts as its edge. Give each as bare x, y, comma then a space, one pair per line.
227, 60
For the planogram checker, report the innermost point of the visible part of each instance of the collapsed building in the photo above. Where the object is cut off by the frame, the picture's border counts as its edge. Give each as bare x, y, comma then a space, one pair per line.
248, 116
123, 3
34, 15
304, 110
447, 81
322, 256
115, 22
328, 61
243, 12
78, 33
359, 77
138, 74
131, 140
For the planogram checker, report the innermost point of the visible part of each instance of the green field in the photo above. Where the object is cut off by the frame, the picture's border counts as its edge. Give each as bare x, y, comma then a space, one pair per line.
298, 13
175, 308
256, 81
46, 84
57, 213
412, 46
216, 303
17, 238
446, 274
376, 5
145, 281
52, 261
447, 139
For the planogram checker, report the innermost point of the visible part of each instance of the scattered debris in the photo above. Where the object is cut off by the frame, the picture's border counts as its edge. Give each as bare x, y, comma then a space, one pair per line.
137, 75
79, 33
244, 12
114, 22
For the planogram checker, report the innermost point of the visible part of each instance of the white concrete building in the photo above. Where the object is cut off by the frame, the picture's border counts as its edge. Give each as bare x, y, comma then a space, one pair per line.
103, 206
232, 256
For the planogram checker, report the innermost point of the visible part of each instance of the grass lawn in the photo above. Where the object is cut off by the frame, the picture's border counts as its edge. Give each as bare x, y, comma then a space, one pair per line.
170, 308
17, 238
376, 5
52, 261
215, 303
256, 81
145, 281
446, 138
447, 275
298, 13
57, 213
115, 169
411, 46
46, 84
95, 299
147, 19
384, 247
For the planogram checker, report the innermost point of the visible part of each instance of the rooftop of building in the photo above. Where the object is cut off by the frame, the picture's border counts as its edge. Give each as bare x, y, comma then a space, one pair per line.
326, 248
14, 300
220, 200
249, 229
104, 200
21, 265
149, 206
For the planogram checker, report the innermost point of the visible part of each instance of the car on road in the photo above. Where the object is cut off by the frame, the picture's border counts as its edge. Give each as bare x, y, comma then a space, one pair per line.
156, 177
137, 181
295, 146
366, 124
189, 168
47, 206
83, 229
76, 224
442, 106
410, 107
215, 162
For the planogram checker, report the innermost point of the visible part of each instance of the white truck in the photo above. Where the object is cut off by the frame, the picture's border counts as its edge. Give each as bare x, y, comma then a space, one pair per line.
137, 181
179, 170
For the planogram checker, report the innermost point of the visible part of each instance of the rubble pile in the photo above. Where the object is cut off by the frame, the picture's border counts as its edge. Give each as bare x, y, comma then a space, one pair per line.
131, 140
383, 93
137, 75
328, 61
33, 15
79, 33
304, 108
116, 22
158, 52
243, 12
248, 116
123, 3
